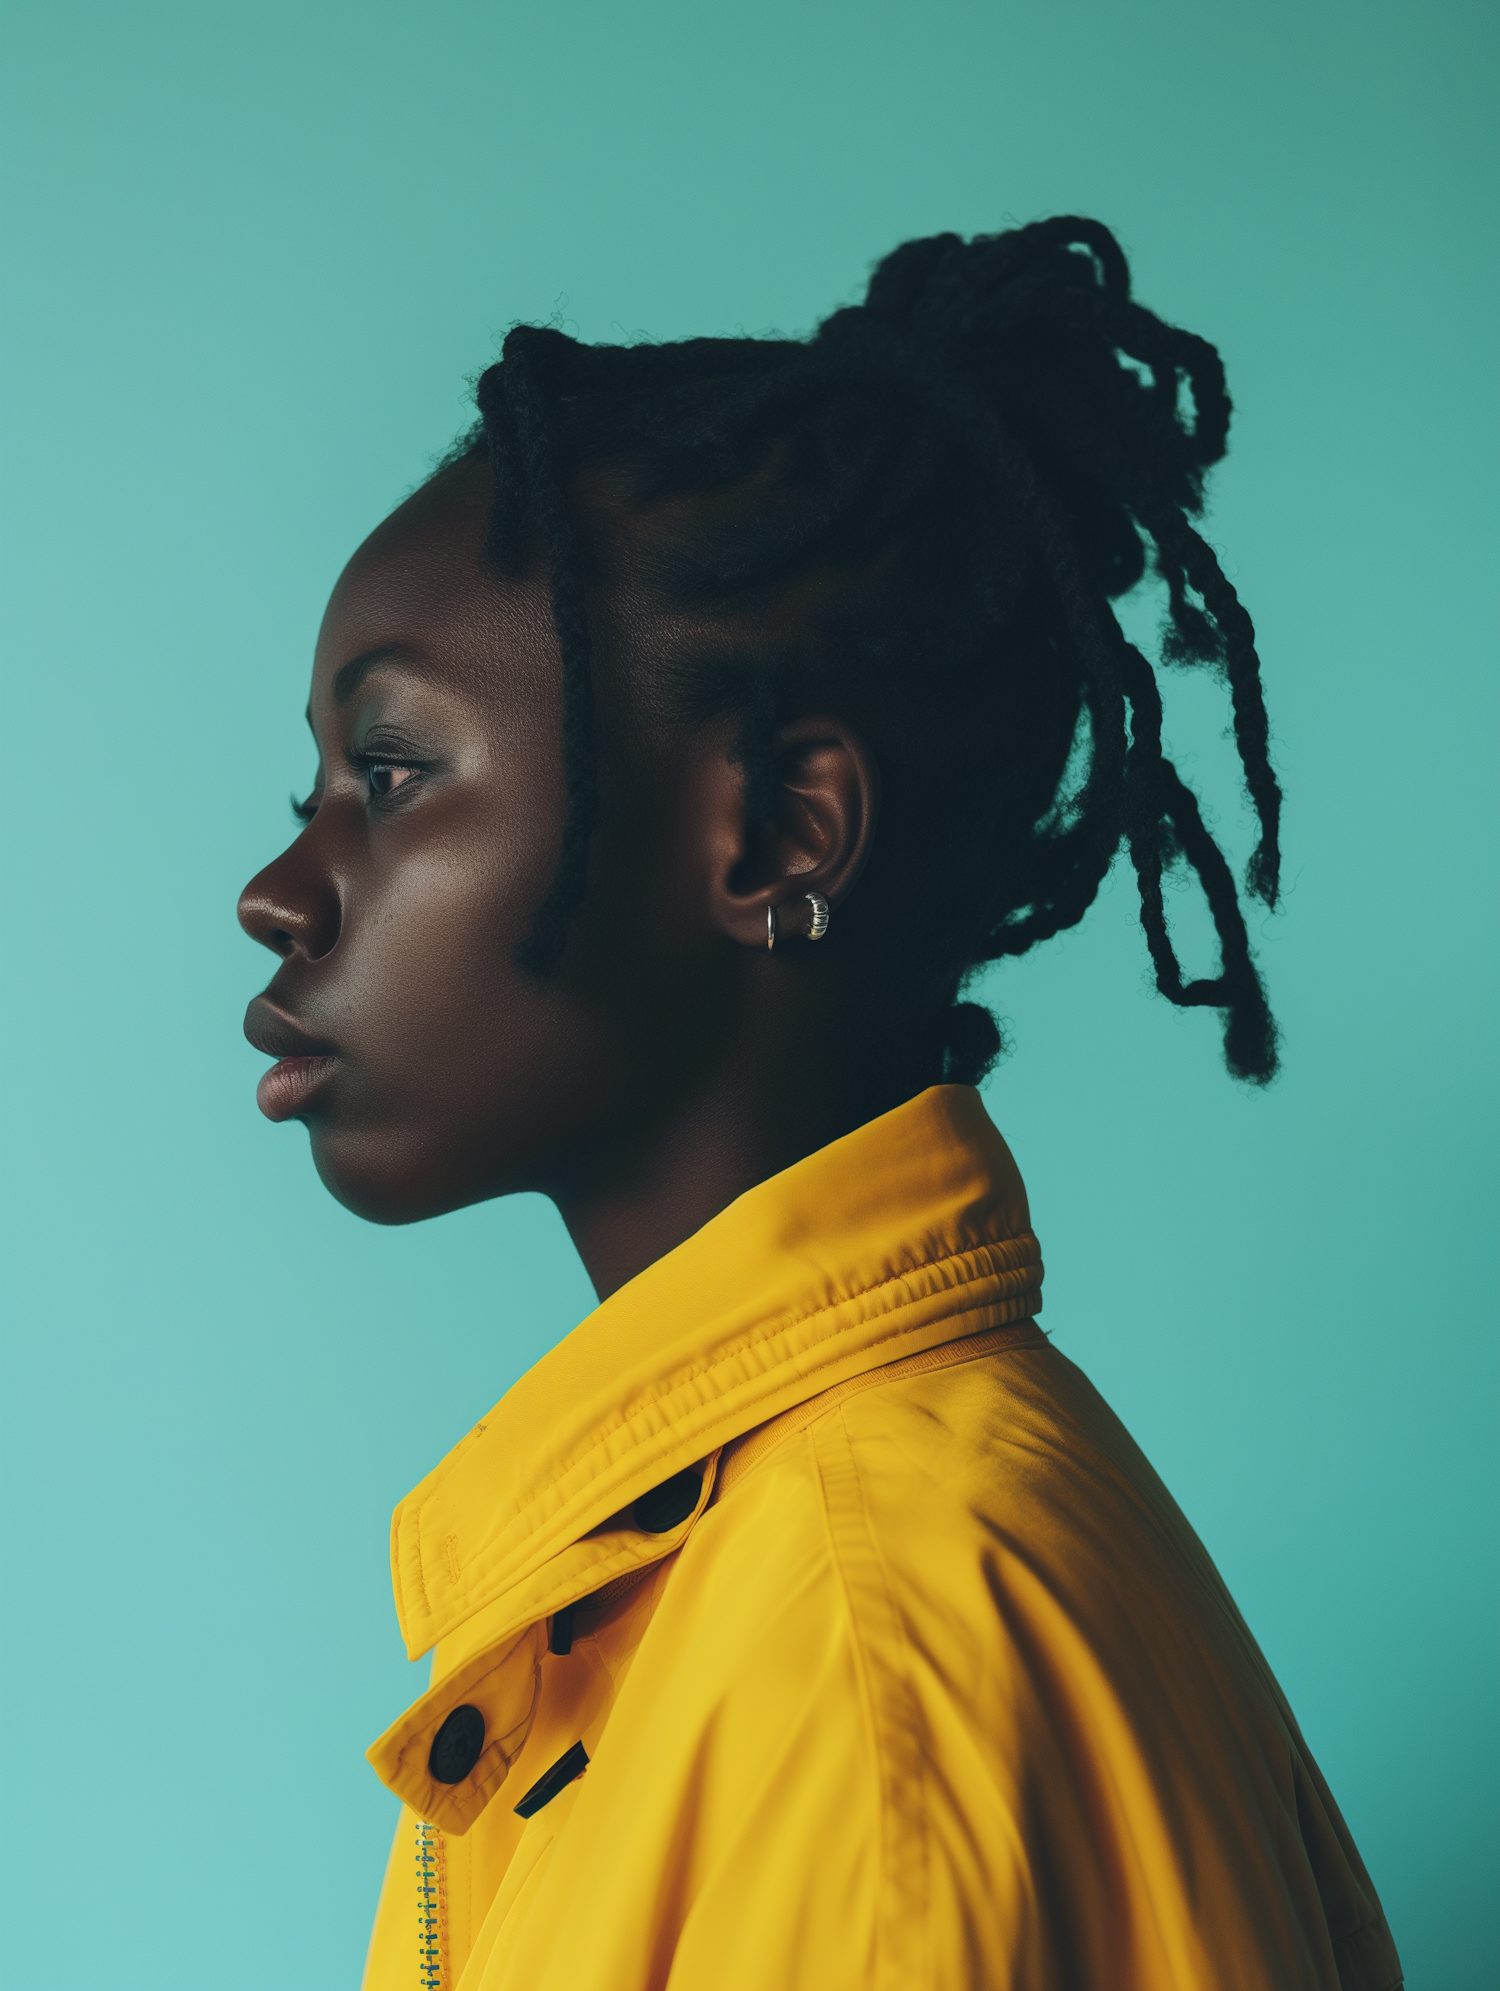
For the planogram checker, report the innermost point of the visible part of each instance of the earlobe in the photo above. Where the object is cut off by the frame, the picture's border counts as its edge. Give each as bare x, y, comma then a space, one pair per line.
817, 922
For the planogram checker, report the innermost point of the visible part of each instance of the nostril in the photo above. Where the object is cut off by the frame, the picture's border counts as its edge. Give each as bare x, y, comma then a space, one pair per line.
264, 921
290, 911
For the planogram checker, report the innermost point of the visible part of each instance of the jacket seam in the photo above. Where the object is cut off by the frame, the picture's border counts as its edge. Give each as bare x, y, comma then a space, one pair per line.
954, 1354
885, 1678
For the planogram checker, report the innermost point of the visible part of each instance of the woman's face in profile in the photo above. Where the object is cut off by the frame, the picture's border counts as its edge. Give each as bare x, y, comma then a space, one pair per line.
431, 1071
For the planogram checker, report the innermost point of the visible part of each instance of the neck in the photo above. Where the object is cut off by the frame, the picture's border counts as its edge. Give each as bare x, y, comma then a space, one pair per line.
636, 1196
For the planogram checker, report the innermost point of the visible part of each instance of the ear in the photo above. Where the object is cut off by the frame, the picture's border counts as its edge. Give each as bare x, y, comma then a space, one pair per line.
825, 802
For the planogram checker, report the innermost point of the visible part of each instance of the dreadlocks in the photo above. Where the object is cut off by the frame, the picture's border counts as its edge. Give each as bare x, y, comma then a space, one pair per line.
925, 511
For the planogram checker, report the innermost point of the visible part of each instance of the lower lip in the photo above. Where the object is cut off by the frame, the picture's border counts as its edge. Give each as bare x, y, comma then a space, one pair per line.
290, 1084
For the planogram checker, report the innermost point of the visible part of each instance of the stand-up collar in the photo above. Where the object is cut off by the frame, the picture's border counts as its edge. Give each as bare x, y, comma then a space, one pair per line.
901, 1236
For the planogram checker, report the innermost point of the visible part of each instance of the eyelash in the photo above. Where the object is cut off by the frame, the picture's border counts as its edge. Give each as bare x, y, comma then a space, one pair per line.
366, 764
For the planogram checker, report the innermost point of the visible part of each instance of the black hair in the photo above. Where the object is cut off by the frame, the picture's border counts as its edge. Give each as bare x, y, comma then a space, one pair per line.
920, 515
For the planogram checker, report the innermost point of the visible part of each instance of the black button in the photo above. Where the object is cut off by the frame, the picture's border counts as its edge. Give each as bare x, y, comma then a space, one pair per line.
659, 1511
456, 1746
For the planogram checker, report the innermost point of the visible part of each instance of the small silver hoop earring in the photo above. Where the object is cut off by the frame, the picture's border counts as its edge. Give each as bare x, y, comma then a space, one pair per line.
770, 928
819, 917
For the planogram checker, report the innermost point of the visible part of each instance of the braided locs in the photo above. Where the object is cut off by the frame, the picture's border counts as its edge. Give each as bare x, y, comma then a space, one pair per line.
513, 407
970, 467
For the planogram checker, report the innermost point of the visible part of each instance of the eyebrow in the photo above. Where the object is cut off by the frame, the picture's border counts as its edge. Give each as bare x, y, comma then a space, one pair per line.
348, 678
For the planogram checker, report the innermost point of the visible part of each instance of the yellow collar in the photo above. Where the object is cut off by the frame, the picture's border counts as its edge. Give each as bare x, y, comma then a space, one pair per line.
899, 1237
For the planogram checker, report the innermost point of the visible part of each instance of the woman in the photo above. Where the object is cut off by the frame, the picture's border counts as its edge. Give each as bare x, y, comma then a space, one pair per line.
714, 712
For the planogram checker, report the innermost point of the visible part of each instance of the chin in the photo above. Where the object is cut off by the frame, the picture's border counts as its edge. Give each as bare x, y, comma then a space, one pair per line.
377, 1177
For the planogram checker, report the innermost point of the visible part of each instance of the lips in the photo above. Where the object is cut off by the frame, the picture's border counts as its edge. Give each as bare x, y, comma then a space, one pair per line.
303, 1063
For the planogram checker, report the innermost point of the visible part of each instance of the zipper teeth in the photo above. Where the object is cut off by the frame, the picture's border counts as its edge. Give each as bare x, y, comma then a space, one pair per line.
432, 1908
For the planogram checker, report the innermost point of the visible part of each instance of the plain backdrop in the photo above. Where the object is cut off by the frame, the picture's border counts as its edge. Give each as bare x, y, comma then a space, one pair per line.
251, 256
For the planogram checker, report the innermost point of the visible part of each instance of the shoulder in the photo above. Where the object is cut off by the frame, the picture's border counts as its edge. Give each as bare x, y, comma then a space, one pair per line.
1013, 1453
918, 1479
1023, 1599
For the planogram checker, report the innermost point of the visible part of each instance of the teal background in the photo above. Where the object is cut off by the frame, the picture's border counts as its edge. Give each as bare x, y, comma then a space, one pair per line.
250, 255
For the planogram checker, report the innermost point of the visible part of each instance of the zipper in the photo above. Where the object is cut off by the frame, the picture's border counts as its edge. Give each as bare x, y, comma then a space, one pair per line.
432, 1908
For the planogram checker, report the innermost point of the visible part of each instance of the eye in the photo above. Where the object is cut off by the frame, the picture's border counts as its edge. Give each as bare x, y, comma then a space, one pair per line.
385, 777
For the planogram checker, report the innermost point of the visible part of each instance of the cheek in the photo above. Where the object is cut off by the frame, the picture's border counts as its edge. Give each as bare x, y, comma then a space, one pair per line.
428, 973
461, 1066
456, 1059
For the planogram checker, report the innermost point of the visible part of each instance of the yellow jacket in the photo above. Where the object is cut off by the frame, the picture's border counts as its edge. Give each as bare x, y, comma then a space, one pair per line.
890, 1662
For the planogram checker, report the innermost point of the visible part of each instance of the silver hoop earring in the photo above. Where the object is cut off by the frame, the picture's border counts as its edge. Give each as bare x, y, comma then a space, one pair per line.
819, 917
770, 928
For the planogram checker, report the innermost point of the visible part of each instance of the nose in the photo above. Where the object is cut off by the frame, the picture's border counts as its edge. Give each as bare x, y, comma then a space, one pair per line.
291, 908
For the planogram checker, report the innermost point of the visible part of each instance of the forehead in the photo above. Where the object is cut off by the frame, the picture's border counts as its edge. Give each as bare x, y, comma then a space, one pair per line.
421, 586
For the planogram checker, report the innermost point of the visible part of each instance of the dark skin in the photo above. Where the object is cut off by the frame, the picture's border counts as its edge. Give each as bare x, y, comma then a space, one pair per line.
670, 1062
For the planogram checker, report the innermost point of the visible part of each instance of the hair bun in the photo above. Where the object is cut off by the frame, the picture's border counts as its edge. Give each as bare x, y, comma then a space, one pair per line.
971, 1044
904, 276
1053, 274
